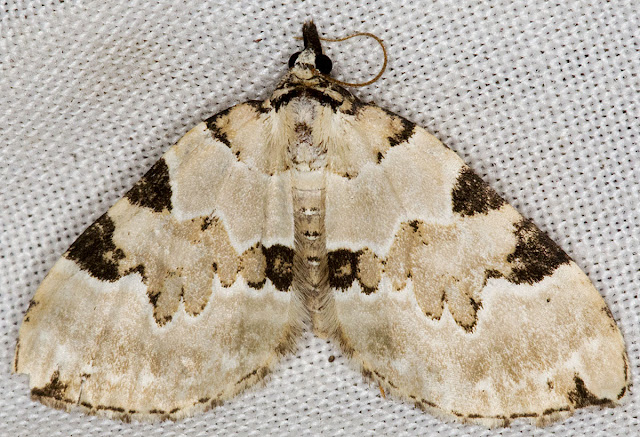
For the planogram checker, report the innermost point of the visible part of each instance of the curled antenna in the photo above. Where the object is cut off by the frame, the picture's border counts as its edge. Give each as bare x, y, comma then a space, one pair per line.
312, 40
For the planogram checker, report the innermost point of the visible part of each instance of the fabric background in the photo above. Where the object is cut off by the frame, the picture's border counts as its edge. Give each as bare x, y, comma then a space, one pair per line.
540, 98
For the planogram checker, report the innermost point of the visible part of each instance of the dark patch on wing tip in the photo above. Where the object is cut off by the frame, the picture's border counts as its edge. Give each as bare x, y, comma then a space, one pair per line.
471, 195
153, 191
582, 397
343, 267
279, 268
54, 389
380, 157
535, 255
95, 252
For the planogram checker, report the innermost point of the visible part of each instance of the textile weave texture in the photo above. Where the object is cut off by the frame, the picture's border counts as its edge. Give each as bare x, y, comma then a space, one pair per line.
539, 98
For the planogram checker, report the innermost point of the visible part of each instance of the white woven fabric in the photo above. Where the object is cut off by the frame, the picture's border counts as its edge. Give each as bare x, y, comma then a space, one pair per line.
540, 98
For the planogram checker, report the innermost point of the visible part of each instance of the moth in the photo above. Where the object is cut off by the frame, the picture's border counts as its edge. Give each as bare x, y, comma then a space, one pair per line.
315, 209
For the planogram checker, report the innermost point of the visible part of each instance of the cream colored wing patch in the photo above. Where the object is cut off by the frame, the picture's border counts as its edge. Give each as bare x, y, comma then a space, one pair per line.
170, 303
448, 298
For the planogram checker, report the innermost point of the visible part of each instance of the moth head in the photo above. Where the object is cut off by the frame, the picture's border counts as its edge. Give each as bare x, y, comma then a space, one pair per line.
311, 58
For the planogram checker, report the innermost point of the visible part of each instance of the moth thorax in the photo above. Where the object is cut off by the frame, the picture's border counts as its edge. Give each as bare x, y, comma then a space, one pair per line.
306, 153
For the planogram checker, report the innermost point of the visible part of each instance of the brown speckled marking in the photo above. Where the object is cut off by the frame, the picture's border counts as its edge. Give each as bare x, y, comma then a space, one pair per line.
95, 252
279, 268
342, 268
154, 189
535, 256
471, 195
